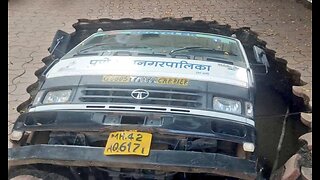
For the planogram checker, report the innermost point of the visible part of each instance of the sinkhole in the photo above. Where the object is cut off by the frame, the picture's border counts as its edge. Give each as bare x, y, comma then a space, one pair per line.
274, 90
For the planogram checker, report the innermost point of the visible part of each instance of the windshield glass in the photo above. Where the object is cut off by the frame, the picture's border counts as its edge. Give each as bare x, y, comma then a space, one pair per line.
175, 44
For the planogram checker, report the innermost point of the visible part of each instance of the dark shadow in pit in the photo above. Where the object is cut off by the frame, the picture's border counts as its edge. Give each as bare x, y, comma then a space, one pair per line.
271, 108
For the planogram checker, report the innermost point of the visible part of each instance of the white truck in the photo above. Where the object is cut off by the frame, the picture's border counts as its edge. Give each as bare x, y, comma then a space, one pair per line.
143, 103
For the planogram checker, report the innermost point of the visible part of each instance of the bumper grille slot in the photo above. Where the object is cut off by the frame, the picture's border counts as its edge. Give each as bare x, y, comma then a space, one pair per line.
179, 110
167, 97
156, 109
95, 107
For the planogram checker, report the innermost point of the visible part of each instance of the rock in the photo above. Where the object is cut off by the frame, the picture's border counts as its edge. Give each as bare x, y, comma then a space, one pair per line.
308, 138
25, 177
306, 173
310, 104
303, 92
292, 169
16, 135
306, 119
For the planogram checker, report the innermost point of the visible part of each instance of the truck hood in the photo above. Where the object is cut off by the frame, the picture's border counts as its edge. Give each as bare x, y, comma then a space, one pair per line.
151, 66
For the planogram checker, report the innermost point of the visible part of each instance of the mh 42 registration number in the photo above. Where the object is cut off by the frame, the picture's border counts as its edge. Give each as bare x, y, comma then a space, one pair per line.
128, 143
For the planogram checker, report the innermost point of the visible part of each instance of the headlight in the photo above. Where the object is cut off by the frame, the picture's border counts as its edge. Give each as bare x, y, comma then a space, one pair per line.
59, 96
226, 105
248, 147
249, 109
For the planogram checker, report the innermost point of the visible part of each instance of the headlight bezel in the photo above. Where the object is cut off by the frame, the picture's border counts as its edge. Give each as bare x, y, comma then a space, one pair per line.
217, 98
55, 93
245, 107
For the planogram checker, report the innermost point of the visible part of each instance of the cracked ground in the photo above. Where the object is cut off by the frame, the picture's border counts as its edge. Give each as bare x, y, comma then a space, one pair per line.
284, 24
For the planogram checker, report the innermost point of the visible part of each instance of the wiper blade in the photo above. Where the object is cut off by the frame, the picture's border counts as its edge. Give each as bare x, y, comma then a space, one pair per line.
184, 48
201, 49
86, 54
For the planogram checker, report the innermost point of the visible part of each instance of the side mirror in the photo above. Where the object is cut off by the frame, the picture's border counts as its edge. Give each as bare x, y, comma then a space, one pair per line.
262, 65
59, 44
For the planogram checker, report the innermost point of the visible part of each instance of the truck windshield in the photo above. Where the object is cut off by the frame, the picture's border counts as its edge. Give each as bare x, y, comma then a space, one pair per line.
167, 42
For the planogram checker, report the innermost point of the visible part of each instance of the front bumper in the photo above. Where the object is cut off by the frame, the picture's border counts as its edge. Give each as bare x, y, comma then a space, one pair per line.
162, 160
163, 123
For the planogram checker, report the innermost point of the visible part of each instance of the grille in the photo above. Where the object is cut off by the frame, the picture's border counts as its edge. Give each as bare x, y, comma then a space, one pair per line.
156, 97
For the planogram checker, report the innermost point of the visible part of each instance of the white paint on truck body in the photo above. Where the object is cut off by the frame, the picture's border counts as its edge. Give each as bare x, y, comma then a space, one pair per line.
151, 66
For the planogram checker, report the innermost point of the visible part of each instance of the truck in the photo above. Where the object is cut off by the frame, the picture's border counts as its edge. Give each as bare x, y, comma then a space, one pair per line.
141, 104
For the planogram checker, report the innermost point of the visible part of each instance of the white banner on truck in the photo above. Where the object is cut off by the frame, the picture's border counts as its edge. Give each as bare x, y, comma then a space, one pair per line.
151, 66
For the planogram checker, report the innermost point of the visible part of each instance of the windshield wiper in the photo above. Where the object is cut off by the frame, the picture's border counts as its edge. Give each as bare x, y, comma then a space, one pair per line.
201, 49
86, 54
93, 46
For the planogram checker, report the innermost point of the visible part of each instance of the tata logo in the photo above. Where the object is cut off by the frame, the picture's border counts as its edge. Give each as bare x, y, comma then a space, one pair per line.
140, 94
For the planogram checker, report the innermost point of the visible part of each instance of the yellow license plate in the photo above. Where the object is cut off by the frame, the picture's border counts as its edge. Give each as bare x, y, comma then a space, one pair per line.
128, 143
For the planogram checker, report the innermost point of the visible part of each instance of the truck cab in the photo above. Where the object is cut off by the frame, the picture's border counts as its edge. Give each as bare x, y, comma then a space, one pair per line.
145, 104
